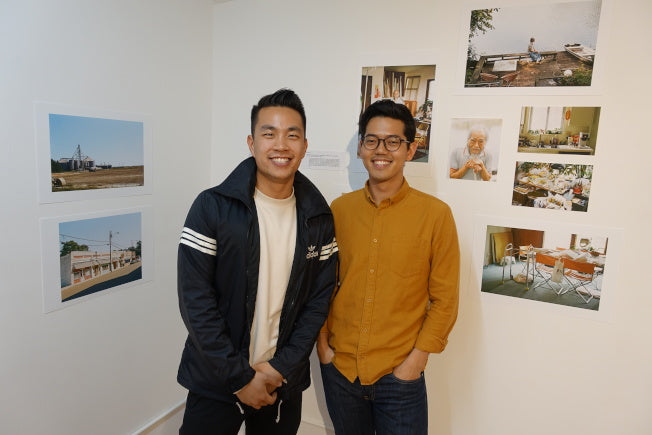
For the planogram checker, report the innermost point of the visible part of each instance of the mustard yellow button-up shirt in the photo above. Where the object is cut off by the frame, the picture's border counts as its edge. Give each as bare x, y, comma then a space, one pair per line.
399, 273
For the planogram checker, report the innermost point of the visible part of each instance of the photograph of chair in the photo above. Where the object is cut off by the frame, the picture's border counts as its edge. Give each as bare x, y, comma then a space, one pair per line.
579, 275
549, 266
543, 270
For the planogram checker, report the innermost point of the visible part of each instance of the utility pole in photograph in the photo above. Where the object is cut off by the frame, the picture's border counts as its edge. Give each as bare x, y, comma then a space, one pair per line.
111, 250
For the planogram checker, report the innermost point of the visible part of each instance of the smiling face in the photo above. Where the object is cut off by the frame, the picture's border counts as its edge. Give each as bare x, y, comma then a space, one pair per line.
386, 167
476, 141
278, 144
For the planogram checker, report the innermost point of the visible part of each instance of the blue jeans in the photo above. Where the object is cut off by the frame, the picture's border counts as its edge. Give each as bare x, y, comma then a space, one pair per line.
391, 406
535, 57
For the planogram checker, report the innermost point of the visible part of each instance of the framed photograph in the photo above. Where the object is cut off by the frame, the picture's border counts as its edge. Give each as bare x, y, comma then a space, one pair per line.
409, 85
557, 265
546, 45
89, 153
89, 255
559, 130
474, 149
411, 74
554, 186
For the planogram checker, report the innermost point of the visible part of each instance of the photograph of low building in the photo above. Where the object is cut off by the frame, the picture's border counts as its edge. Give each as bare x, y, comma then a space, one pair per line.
98, 254
80, 266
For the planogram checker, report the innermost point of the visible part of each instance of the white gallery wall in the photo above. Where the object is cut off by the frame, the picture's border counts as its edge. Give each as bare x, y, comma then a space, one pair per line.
106, 365
511, 367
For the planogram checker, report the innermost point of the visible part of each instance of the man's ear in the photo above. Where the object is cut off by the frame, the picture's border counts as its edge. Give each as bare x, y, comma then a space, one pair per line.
412, 149
305, 148
250, 143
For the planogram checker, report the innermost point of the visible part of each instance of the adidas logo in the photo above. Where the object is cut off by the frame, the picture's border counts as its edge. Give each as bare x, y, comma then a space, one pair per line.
311, 252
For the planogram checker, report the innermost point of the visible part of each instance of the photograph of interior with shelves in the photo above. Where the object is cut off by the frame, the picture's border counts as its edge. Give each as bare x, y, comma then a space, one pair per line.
556, 186
546, 266
411, 85
559, 130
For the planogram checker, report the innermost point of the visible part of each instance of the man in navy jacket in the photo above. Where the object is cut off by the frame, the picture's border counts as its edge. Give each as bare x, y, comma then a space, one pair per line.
256, 269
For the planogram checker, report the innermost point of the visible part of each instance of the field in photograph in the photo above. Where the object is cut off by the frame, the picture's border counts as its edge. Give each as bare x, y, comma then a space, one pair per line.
127, 176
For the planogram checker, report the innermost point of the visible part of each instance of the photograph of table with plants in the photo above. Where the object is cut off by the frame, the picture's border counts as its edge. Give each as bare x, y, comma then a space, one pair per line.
555, 186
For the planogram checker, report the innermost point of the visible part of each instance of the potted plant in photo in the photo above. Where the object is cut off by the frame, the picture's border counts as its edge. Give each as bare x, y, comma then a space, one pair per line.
425, 110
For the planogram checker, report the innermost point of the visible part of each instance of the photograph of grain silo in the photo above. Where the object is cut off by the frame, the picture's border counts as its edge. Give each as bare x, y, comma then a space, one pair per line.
95, 153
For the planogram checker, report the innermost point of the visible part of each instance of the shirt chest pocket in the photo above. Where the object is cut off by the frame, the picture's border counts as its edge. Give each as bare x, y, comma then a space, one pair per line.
409, 257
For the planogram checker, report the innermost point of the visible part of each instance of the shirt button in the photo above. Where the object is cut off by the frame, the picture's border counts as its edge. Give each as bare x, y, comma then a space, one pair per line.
375, 240
371, 271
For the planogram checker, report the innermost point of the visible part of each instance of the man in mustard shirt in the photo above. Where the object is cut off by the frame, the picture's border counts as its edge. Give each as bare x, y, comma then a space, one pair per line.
398, 295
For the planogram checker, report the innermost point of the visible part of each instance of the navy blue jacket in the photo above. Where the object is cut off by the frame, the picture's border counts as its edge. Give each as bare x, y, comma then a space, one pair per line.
218, 260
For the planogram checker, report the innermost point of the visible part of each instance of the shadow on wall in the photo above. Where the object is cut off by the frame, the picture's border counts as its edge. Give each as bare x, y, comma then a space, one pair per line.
357, 173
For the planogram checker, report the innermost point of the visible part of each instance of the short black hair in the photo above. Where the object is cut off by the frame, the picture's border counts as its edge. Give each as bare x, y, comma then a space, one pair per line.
388, 109
282, 98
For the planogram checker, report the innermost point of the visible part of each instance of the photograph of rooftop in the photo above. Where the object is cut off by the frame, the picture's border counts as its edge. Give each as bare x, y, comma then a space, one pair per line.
533, 45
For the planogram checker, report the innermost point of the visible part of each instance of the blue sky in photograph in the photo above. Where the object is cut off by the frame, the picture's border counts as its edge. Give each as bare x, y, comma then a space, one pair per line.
552, 25
94, 232
111, 141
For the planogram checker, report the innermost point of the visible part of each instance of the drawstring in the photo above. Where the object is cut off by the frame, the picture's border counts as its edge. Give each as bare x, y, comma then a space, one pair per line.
278, 413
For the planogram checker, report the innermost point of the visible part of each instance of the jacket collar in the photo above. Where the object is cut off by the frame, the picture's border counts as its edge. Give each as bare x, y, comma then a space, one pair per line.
241, 183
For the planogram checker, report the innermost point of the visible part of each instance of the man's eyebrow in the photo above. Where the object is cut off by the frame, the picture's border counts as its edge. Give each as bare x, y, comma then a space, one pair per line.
267, 127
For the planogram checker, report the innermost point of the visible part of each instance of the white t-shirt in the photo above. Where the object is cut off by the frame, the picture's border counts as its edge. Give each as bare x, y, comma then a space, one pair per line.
277, 221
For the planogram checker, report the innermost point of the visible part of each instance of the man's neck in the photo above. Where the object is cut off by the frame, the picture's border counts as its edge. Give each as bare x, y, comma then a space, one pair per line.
380, 191
275, 190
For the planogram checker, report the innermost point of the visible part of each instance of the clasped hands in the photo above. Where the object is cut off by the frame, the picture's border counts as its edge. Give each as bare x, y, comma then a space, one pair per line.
475, 165
260, 391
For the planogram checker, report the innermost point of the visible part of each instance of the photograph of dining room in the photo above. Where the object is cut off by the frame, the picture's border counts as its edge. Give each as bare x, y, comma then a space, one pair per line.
555, 186
411, 85
559, 130
474, 149
555, 267
548, 44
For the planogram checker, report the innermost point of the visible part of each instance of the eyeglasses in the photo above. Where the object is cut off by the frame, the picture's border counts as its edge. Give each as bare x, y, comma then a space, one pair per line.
392, 143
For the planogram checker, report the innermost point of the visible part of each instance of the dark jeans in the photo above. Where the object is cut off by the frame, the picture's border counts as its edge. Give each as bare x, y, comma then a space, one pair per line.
391, 406
204, 416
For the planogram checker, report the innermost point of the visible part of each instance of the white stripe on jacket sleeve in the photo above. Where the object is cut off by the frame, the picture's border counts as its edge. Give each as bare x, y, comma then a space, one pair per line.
328, 250
198, 241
